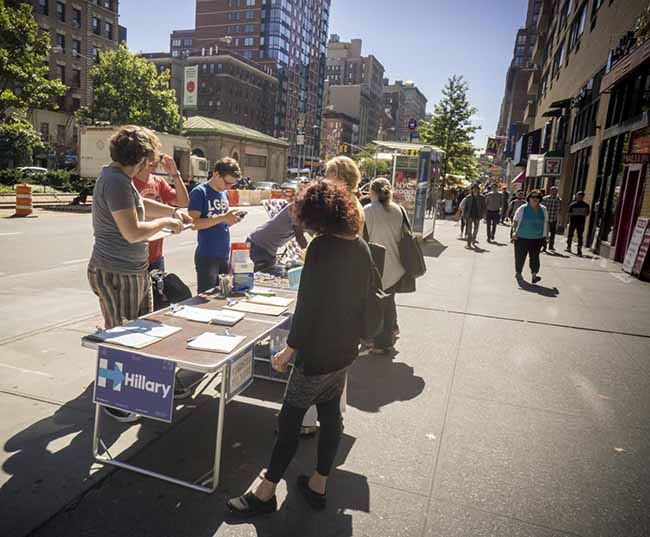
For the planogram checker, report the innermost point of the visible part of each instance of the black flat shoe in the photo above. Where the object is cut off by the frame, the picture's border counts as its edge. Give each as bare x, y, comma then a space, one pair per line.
315, 500
250, 505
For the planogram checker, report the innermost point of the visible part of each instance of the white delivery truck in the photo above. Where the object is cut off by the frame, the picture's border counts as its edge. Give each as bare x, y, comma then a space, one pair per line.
94, 153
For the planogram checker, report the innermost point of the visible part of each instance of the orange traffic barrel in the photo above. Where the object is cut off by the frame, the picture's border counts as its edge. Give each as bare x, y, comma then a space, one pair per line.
233, 198
23, 200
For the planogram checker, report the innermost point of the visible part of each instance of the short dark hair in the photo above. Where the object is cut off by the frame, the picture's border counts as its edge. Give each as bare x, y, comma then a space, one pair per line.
580, 193
227, 166
325, 207
130, 144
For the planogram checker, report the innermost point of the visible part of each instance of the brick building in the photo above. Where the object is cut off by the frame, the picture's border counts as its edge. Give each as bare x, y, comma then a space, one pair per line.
230, 87
340, 134
403, 101
79, 31
291, 38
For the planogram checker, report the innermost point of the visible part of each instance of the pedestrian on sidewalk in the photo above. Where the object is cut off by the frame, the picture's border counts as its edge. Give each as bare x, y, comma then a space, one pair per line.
324, 340
578, 213
122, 222
213, 217
493, 202
553, 205
152, 186
345, 171
472, 210
514, 205
384, 226
529, 231
505, 201
462, 194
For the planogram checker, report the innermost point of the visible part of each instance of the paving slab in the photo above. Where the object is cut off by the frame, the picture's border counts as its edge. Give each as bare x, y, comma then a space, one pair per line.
568, 371
546, 469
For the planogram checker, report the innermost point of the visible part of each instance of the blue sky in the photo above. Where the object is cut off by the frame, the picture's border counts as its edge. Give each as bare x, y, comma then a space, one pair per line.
421, 40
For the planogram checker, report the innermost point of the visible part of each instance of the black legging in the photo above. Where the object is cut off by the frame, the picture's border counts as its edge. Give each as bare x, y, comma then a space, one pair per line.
286, 444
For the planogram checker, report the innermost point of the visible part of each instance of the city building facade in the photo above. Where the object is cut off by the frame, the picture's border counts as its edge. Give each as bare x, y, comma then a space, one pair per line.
340, 134
404, 102
79, 31
347, 67
290, 37
588, 113
230, 87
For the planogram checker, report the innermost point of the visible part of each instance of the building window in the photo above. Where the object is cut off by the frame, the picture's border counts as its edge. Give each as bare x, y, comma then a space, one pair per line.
61, 73
176, 42
249, 28
60, 11
76, 17
250, 3
76, 78
76, 47
577, 28
44, 7
557, 61
249, 42
255, 161
45, 132
60, 134
108, 30
60, 42
175, 53
250, 15
76, 103
97, 28
95, 55
108, 4
187, 42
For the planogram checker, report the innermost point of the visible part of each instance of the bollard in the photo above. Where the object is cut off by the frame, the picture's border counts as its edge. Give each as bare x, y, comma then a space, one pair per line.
23, 200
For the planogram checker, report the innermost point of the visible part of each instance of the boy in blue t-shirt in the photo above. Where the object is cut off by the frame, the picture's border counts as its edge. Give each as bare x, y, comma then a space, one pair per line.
212, 218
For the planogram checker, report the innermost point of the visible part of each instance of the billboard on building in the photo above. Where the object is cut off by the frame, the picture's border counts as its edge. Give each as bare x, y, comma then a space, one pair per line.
190, 86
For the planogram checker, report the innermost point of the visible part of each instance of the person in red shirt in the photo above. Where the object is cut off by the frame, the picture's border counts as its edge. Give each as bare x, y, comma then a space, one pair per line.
154, 187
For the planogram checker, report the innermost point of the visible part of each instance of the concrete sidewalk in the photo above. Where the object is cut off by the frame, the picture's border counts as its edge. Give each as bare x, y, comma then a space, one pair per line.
507, 411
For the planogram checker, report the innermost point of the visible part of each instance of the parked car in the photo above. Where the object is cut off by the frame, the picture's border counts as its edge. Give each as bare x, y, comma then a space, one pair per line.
32, 170
290, 185
268, 185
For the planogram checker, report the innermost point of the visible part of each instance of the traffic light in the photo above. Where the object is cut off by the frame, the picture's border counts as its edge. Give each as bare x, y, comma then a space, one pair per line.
412, 152
343, 148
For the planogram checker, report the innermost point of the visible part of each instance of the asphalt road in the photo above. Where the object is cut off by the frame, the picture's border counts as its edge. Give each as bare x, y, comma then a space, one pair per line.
43, 267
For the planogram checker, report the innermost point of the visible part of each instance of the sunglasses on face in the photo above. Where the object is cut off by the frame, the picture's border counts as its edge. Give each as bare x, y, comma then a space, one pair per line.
536, 198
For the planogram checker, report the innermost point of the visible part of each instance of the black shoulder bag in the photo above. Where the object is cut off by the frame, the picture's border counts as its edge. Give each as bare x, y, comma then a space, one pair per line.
373, 308
410, 251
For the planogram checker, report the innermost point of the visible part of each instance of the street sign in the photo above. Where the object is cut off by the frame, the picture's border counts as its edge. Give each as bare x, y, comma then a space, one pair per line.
190, 86
135, 383
413, 124
241, 375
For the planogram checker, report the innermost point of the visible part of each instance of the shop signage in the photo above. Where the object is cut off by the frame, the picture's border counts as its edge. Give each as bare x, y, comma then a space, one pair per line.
135, 383
190, 86
424, 172
553, 166
640, 142
241, 375
493, 145
635, 244
643, 253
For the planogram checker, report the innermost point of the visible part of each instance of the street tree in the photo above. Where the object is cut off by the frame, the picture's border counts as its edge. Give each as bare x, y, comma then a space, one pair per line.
452, 130
24, 83
127, 89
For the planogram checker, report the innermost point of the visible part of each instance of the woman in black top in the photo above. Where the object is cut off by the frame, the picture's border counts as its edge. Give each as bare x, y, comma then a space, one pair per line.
324, 339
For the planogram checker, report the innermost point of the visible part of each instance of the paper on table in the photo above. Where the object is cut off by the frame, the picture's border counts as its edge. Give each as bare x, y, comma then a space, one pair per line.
262, 309
209, 341
271, 301
165, 233
201, 315
261, 291
136, 334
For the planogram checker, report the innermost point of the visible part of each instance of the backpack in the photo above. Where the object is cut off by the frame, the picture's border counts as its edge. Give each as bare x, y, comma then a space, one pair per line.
167, 289
373, 308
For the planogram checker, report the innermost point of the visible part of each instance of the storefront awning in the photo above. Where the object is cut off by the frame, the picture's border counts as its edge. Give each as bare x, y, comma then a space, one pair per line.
521, 178
625, 66
562, 103
535, 166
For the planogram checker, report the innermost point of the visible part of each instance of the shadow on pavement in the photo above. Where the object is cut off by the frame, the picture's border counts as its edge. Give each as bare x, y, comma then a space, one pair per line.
376, 381
557, 254
550, 292
432, 248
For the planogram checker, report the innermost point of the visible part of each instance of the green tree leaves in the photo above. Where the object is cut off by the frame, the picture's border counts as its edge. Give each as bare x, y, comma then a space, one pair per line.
129, 90
452, 130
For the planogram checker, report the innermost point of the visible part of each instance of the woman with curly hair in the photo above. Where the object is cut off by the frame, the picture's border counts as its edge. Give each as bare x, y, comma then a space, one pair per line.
324, 340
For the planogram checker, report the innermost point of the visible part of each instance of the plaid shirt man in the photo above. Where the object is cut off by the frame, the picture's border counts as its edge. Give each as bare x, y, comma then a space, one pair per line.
552, 204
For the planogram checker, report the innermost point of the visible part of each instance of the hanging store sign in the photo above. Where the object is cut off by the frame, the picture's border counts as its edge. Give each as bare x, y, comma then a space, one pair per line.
190, 85
552, 166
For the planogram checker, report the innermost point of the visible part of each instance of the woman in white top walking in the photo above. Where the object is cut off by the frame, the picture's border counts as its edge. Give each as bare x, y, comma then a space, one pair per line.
384, 221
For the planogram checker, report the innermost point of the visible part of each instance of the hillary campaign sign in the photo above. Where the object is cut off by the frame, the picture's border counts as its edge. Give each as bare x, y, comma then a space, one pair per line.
135, 383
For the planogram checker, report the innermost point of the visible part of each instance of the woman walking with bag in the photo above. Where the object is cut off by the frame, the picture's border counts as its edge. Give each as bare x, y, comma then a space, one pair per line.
328, 323
384, 226
529, 231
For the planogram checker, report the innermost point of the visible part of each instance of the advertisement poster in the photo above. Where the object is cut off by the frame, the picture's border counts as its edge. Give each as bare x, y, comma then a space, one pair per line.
190, 86
422, 190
